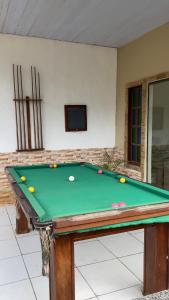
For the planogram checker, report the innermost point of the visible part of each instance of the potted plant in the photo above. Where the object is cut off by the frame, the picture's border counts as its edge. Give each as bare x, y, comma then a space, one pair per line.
110, 163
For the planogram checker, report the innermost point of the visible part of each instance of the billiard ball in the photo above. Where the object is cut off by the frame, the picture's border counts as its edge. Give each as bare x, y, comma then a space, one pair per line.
122, 180
100, 171
114, 205
55, 165
31, 189
122, 204
71, 178
23, 178
50, 166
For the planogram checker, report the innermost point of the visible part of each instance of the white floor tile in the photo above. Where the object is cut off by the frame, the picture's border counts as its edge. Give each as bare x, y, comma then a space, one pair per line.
12, 270
41, 287
88, 253
137, 231
82, 289
2, 209
4, 219
126, 294
32, 232
139, 236
122, 245
86, 241
6, 233
33, 264
135, 264
12, 213
21, 290
111, 236
9, 248
29, 244
11, 209
108, 276
14, 228
13, 221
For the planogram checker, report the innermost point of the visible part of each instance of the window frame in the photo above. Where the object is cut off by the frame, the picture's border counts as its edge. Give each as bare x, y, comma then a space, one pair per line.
130, 125
78, 107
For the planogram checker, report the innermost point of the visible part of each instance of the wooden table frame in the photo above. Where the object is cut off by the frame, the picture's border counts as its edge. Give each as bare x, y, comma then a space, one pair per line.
61, 271
61, 276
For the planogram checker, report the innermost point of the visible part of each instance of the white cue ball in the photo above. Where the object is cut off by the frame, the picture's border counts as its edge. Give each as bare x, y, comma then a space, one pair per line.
71, 178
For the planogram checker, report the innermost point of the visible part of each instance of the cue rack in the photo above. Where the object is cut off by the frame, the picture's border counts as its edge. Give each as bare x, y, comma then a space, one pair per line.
28, 111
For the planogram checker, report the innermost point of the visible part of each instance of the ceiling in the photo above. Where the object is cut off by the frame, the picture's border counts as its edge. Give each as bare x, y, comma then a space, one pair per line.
111, 23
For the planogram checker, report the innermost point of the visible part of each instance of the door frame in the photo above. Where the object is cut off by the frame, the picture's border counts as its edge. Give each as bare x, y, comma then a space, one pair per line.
148, 114
145, 82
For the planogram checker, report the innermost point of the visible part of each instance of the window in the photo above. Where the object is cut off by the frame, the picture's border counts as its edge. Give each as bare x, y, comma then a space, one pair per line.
134, 124
75, 118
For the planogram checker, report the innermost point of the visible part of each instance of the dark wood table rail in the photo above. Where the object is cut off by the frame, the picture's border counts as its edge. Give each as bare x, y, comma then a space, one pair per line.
61, 271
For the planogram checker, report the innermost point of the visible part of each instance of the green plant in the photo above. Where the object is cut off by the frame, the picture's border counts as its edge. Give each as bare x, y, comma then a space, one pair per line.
110, 163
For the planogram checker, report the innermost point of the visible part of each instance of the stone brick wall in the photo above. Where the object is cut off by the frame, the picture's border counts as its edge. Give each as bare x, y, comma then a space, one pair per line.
26, 158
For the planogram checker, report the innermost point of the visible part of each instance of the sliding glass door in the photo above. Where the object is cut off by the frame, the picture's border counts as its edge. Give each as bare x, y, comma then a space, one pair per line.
158, 134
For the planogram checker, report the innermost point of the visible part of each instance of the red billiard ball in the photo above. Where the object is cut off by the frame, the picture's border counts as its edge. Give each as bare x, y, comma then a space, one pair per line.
100, 171
122, 204
50, 166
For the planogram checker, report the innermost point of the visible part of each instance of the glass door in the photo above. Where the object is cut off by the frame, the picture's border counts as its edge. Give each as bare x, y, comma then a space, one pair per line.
158, 134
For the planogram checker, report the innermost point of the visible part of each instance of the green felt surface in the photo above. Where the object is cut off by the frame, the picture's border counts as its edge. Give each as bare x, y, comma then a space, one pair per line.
56, 197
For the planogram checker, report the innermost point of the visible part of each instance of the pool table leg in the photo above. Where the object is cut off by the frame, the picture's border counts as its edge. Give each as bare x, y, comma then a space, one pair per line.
61, 271
21, 221
156, 258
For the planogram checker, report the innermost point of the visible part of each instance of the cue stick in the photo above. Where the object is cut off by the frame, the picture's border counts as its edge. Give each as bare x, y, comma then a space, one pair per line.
16, 111
33, 108
40, 103
28, 122
23, 109
37, 117
20, 121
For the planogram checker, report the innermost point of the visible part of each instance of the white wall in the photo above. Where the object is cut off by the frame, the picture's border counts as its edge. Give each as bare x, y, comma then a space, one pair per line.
70, 74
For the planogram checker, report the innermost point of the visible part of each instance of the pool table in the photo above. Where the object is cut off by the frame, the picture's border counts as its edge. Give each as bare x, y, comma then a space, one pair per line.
67, 211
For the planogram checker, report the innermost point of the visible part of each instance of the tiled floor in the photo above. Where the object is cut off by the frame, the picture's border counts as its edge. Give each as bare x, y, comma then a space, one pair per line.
108, 268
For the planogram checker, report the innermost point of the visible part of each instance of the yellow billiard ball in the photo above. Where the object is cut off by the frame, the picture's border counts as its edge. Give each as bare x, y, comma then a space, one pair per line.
55, 165
31, 189
23, 178
122, 180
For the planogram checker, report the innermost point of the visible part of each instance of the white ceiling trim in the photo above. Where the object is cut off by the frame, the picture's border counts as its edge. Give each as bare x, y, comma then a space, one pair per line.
111, 23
